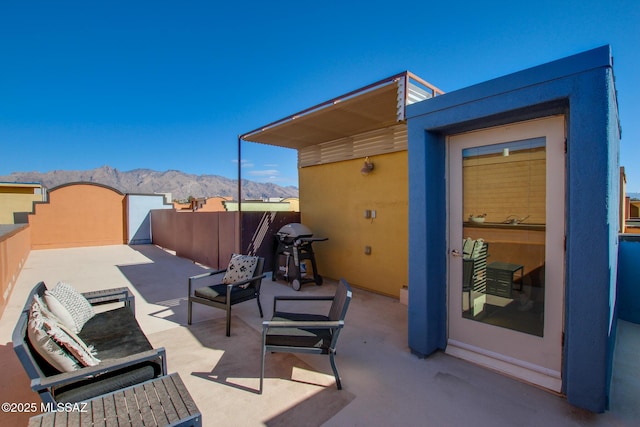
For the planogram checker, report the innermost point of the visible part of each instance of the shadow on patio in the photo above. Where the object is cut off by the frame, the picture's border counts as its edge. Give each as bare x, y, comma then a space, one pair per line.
384, 384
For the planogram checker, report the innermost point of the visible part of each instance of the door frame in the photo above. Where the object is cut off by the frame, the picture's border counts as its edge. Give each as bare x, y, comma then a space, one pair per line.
547, 372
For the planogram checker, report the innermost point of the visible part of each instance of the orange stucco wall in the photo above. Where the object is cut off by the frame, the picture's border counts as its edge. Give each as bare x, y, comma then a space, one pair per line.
14, 251
81, 214
214, 204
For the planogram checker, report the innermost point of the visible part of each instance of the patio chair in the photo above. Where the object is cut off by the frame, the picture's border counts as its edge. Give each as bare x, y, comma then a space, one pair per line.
474, 272
307, 333
240, 283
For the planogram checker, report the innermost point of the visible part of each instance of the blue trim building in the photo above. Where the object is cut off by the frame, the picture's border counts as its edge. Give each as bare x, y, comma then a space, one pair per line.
582, 88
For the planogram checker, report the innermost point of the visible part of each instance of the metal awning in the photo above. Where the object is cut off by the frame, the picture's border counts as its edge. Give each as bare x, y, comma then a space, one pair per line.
376, 106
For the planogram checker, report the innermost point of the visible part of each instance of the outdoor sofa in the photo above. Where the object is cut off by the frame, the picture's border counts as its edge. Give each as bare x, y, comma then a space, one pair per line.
122, 353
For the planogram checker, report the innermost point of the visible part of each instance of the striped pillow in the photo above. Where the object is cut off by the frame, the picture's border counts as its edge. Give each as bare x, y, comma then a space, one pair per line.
69, 306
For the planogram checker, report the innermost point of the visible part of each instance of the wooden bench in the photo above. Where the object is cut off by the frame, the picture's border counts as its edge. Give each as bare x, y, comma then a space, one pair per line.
163, 401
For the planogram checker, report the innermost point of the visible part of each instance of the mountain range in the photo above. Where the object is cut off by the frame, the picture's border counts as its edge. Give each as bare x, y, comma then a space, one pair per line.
146, 181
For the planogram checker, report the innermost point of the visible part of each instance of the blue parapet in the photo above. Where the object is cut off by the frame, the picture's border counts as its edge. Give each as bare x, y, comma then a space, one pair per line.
628, 298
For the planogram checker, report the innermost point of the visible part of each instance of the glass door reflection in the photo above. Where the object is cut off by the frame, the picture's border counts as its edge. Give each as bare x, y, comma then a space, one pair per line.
504, 211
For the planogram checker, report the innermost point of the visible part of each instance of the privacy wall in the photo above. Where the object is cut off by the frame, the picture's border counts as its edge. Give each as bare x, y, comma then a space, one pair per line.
15, 245
79, 214
139, 207
210, 238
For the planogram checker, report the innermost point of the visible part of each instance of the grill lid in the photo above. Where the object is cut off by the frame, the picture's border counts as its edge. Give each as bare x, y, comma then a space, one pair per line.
295, 230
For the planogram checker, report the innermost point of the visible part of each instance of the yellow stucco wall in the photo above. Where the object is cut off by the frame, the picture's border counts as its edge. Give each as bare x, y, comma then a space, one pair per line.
16, 199
333, 198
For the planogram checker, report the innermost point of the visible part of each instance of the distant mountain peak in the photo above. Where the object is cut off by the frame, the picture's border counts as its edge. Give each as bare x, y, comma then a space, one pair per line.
181, 185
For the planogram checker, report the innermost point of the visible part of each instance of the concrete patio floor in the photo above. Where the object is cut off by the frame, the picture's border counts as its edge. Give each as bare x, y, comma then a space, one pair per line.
383, 383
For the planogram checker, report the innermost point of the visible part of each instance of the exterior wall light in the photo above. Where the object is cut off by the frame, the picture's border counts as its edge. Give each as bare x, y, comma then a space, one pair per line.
367, 168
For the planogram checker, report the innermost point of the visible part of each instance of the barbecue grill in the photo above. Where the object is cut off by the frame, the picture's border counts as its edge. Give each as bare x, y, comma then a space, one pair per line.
295, 243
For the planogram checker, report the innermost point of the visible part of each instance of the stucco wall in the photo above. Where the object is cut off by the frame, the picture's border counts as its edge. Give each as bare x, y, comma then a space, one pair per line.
333, 198
15, 246
79, 215
11, 202
582, 87
139, 208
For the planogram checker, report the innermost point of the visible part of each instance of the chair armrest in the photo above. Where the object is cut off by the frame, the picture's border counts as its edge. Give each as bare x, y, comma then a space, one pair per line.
111, 365
246, 281
202, 276
230, 286
299, 298
207, 274
108, 296
317, 324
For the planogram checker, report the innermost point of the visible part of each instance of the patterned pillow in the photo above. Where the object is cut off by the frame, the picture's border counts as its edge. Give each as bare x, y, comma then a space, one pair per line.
73, 344
60, 347
70, 306
241, 267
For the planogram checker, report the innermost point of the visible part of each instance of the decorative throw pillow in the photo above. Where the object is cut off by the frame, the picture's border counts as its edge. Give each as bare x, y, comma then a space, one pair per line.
241, 267
59, 311
69, 305
46, 347
59, 346
73, 344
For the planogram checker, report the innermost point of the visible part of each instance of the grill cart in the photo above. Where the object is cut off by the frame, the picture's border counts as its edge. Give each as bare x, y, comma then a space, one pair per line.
294, 245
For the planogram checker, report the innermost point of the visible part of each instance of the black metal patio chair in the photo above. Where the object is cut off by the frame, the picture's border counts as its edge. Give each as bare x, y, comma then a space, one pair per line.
307, 333
221, 295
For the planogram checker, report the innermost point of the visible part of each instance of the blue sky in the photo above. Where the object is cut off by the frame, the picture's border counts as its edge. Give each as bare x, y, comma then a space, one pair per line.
170, 85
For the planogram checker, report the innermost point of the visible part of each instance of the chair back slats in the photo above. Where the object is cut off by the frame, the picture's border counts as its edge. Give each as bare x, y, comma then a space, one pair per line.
258, 272
341, 301
475, 253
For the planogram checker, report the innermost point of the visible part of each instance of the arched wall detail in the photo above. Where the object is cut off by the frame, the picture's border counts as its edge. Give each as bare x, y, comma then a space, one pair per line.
79, 214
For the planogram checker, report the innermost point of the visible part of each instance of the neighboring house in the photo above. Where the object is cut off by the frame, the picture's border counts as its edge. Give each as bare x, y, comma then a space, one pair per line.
634, 209
214, 204
280, 205
294, 203
632, 219
181, 206
202, 204
16, 201
416, 193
